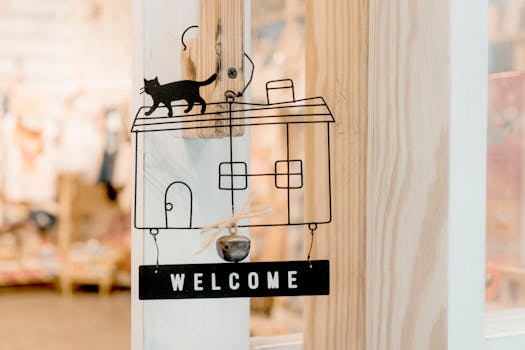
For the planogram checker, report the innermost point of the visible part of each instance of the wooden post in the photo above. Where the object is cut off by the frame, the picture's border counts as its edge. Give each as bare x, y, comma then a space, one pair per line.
218, 48
336, 68
384, 69
408, 174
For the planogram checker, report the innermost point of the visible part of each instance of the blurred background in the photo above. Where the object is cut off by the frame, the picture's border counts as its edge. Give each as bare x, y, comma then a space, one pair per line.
505, 283
65, 169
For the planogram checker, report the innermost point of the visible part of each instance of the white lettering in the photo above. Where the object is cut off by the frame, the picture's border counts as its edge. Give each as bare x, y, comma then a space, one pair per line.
234, 286
253, 280
214, 285
197, 281
177, 282
292, 279
273, 280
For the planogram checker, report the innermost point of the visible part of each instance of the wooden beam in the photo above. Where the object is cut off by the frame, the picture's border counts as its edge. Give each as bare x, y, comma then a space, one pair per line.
336, 68
384, 69
408, 188
219, 47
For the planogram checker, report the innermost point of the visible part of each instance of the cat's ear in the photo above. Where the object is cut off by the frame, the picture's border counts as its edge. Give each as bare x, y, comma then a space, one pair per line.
145, 81
157, 79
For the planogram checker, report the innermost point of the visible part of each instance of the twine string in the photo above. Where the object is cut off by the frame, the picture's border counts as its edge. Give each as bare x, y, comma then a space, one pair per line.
247, 211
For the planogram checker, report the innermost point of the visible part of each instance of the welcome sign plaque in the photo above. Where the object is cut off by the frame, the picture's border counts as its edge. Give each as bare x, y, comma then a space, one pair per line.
289, 278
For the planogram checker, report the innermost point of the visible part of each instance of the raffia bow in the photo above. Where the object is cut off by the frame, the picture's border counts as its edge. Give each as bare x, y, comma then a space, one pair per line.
246, 211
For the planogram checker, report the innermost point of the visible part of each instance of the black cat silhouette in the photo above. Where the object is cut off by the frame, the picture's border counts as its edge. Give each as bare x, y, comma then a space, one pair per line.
179, 90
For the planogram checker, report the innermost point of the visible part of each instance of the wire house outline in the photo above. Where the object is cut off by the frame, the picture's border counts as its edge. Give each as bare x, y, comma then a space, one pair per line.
233, 174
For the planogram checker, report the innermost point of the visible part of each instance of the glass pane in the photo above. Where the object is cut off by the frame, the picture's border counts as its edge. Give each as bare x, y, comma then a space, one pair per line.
505, 284
277, 48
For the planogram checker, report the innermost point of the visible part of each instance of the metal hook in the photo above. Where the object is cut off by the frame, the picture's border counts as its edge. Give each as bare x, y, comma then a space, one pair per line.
240, 93
154, 233
312, 228
233, 229
230, 96
182, 37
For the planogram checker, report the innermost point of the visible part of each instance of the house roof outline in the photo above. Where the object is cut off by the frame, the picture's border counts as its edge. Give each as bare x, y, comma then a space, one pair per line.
231, 113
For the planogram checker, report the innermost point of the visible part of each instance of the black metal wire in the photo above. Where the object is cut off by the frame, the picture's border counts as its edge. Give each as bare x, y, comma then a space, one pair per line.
167, 204
270, 87
251, 76
312, 228
154, 233
190, 122
184, 33
285, 120
228, 93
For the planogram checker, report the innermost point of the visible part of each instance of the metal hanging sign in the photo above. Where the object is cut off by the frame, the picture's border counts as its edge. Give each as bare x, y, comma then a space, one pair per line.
173, 111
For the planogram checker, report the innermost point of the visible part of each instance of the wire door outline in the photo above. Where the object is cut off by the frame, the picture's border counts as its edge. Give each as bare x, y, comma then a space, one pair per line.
169, 206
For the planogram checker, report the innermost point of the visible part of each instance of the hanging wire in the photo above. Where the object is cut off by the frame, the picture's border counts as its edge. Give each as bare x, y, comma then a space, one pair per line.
184, 33
312, 228
228, 93
154, 233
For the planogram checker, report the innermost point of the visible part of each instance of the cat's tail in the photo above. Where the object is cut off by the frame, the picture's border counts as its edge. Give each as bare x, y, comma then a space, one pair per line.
208, 81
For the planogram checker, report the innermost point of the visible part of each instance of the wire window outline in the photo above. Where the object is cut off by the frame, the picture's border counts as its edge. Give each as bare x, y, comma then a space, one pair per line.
289, 174
229, 172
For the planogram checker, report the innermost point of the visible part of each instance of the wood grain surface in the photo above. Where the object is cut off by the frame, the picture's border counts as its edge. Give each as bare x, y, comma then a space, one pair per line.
408, 187
219, 46
336, 68
384, 69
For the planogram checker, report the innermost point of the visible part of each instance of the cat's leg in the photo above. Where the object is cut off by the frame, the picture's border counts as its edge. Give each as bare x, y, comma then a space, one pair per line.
170, 110
153, 108
190, 106
202, 103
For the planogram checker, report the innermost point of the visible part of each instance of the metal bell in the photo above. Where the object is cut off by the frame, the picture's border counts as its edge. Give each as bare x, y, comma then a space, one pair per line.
233, 247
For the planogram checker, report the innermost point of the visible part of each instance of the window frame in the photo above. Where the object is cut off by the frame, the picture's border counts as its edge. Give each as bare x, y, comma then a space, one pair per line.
470, 325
